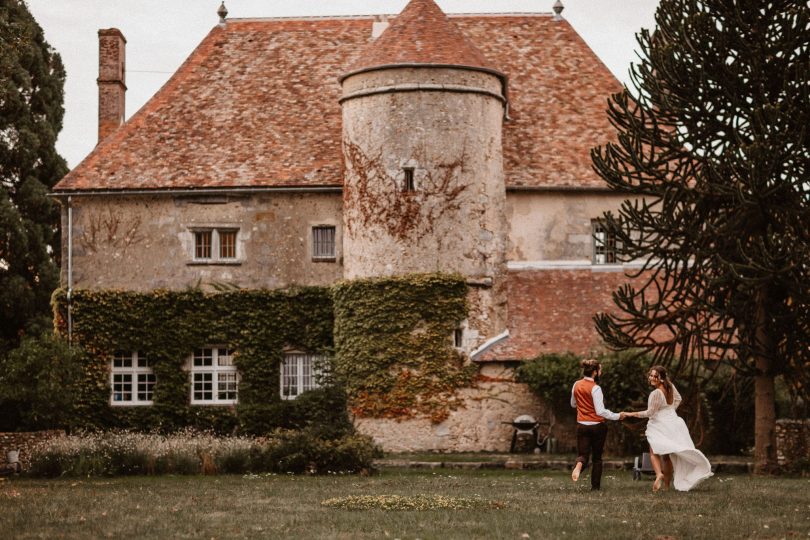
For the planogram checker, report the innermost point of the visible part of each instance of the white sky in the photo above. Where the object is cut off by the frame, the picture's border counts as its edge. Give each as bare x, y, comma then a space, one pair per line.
162, 33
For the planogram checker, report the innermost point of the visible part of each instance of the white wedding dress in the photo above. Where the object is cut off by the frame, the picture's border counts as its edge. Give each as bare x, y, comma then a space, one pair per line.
667, 434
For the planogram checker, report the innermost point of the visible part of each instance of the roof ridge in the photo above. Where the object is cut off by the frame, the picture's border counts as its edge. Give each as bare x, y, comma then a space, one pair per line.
308, 18
361, 16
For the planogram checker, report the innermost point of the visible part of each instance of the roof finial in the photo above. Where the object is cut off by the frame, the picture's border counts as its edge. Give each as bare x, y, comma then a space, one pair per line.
222, 12
558, 7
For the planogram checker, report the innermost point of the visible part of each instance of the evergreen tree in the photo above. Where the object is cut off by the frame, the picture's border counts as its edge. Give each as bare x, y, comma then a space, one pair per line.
31, 95
712, 155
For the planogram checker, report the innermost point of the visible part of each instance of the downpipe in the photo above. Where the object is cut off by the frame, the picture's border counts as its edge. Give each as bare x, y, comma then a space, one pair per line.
70, 271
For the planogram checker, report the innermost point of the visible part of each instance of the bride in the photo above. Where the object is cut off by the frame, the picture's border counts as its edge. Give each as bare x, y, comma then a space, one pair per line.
672, 451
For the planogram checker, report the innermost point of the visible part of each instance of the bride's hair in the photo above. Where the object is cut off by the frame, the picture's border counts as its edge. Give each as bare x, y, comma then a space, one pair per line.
664, 378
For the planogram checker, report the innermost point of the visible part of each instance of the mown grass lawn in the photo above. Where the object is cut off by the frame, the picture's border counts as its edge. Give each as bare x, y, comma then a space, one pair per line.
539, 504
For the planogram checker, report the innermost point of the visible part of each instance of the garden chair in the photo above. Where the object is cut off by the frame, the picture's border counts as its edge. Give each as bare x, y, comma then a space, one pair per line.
645, 467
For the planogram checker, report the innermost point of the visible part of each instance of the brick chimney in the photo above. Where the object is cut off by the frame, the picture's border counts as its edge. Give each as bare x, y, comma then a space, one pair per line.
111, 81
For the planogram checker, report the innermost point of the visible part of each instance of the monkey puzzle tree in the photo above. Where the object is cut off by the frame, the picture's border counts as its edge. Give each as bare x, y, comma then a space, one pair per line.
31, 94
712, 155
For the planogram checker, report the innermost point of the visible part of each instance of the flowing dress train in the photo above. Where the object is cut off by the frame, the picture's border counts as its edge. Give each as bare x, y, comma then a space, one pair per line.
667, 434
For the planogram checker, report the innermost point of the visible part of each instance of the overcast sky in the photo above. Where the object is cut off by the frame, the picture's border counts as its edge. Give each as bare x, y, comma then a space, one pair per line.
162, 33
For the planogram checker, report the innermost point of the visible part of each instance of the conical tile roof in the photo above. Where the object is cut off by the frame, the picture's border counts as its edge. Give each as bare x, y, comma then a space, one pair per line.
421, 34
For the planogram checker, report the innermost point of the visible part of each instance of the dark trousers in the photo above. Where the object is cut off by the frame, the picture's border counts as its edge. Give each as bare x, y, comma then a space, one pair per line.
591, 443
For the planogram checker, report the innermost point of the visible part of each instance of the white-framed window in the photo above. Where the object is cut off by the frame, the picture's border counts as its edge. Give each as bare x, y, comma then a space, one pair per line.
323, 243
132, 379
215, 244
605, 246
214, 379
300, 372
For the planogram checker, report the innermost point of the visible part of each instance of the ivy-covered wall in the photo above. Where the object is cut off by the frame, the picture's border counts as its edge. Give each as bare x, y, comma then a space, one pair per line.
392, 351
169, 325
394, 344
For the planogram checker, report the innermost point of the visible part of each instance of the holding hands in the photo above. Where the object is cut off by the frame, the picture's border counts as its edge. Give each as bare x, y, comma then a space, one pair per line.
623, 415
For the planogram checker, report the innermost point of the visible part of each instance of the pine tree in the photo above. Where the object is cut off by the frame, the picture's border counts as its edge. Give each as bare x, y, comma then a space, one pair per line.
31, 95
712, 155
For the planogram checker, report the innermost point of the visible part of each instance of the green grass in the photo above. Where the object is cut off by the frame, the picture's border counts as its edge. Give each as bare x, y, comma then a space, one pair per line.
540, 504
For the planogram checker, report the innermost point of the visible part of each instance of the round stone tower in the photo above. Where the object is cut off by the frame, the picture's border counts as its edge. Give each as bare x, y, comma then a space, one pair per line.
424, 186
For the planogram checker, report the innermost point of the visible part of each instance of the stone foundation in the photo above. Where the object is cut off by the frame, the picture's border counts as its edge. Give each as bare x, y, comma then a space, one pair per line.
477, 427
24, 441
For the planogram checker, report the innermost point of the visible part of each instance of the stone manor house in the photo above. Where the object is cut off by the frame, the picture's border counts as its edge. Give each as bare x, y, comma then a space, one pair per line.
304, 151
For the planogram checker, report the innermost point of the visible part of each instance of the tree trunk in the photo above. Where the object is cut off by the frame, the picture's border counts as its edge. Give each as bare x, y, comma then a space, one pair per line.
764, 401
765, 420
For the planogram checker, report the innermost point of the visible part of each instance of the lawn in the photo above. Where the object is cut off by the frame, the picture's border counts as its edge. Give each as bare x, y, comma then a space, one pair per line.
509, 504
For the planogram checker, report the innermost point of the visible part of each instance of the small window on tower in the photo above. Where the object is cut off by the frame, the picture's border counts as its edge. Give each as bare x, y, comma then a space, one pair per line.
408, 184
458, 338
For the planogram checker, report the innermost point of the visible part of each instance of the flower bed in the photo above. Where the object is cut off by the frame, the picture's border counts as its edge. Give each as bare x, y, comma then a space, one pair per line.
189, 452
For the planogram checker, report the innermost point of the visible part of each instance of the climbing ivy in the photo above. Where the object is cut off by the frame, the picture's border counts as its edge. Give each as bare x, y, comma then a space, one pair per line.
393, 357
393, 344
169, 325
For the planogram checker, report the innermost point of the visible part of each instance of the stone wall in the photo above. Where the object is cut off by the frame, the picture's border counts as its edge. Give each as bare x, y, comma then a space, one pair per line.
24, 441
424, 185
793, 443
142, 243
477, 427
554, 226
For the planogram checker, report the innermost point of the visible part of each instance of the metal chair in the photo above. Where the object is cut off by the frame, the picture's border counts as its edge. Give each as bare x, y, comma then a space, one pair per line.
645, 467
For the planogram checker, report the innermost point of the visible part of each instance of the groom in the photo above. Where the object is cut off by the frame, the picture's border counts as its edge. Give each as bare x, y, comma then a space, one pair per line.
587, 399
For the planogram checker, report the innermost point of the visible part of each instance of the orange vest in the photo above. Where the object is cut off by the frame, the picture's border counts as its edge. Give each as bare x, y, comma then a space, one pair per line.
586, 412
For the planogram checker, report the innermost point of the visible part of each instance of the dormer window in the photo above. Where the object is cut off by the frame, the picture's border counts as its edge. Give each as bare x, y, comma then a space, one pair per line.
408, 183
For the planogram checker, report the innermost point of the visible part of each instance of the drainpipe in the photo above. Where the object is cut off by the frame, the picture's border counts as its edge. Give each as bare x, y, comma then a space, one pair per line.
70, 270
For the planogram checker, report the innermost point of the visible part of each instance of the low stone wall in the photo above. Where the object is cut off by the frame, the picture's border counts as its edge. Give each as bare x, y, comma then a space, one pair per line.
792, 442
24, 441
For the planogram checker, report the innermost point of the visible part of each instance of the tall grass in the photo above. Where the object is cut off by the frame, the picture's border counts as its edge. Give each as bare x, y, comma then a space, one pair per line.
121, 453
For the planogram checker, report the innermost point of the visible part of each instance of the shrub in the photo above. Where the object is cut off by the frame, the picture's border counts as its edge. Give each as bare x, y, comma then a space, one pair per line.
37, 382
322, 411
550, 376
189, 452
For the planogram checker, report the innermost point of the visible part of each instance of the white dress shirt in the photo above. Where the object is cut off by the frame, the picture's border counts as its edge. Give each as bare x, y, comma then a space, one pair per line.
598, 404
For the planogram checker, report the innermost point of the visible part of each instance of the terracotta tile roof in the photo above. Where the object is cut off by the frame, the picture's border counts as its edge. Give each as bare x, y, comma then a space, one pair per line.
552, 311
421, 34
256, 105
558, 92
